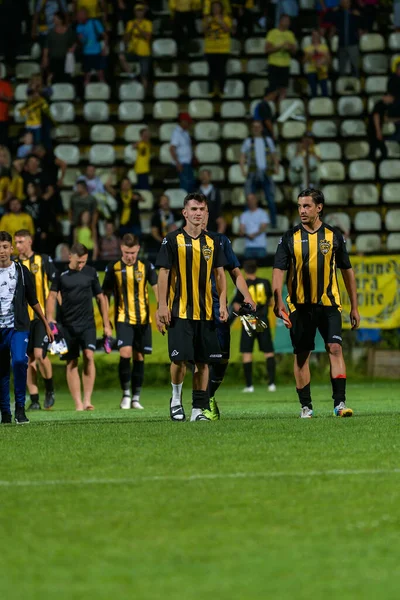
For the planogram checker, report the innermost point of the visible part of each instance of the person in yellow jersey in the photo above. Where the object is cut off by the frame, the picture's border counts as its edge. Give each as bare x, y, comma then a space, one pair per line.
310, 253
316, 60
280, 45
86, 233
137, 38
217, 45
127, 280
94, 8
16, 219
32, 111
142, 163
43, 273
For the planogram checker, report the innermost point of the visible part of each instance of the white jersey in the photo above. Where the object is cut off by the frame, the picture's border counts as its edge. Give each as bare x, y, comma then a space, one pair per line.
8, 284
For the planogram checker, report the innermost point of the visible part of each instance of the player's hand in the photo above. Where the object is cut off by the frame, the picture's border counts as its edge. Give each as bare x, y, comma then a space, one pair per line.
223, 314
354, 318
164, 314
49, 334
278, 308
160, 326
249, 300
107, 331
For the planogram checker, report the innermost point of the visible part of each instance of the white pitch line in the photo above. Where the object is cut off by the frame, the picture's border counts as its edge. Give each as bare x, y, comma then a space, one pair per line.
198, 477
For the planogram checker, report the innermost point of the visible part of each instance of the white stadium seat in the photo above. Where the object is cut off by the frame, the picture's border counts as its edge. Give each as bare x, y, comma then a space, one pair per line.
102, 134
389, 169
62, 112
164, 48
321, 107
350, 106
330, 151
362, 170
62, 91
234, 67
237, 130
335, 194
272, 244
368, 242
255, 45
339, 219
130, 155
375, 64
165, 131
392, 220
217, 172
66, 133
235, 175
356, 150
130, 111
198, 68
20, 94
353, 128
71, 175
166, 69
376, 84
236, 225
372, 42
288, 103
238, 246
165, 110
237, 196
97, 91
293, 130
96, 112
282, 223
176, 197
346, 86
257, 87
165, 154
132, 132
232, 153
66, 199
201, 109
233, 109
148, 200
393, 242
332, 170
365, 193
198, 89
322, 129
166, 89
391, 193
102, 154
256, 66
234, 88
393, 149
208, 152
394, 41
69, 153
207, 131
131, 91
367, 220
25, 70
196, 48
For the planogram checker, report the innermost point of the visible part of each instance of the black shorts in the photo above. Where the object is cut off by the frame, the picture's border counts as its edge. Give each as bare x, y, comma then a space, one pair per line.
263, 338
37, 337
278, 77
306, 319
194, 341
78, 340
224, 339
138, 337
92, 62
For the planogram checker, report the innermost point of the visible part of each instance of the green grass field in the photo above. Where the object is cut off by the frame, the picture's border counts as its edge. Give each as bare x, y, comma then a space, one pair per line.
123, 504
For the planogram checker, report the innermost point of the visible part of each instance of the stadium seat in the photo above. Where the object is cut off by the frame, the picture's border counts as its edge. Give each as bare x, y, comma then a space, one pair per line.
62, 112
131, 91
232, 153
145, 221
236, 225
288, 102
280, 176
165, 155
165, 131
282, 223
372, 42
165, 110
321, 107
256, 66
350, 106
66, 133
238, 131
66, 199
132, 176
102, 154
208, 152
102, 134
62, 92
196, 48
233, 109
71, 175
130, 155
389, 169
198, 68
372, 100
392, 219
201, 109
356, 150
235, 175
237, 196
295, 68
330, 151
25, 70
353, 128
339, 219
238, 246
335, 194
132, 133
234, 88
335, 67
168, 69
272, 244
394, 41
69, 153
198, 89
148, 199
393, 242
391, 193
164, 48
234, 67
279, 198
393, 149
365, 193
255, 45
332, 170
20, 94
217, 172
257, 87
17, 116
367, 220
96, 112
368, 242
97, 91
207, 131
176, 197
346, 86
362, 170
293, 130
236, 47
324, 129
375, 64
130, 111
166, 89
290, 150
376, 84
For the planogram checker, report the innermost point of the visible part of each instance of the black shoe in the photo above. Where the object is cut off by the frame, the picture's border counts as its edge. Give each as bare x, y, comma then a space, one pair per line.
176, 412
20, 416
34, 406
6, 417
49, 400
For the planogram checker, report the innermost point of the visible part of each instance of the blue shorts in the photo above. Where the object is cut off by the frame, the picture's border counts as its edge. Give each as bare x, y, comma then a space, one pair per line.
224, 339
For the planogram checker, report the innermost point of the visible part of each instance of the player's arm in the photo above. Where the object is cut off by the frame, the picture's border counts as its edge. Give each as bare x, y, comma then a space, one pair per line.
350, 282
51, 304
220, 280
241, 285
31, 298
38, 311
278, 277
102, 303
164, 314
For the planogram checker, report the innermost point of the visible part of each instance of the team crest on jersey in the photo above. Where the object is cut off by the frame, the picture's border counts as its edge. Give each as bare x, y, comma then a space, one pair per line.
138, 276
207, 252
324, 247
34, 268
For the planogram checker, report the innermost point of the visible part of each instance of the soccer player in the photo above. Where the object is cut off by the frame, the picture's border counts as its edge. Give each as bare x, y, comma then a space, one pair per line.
310, 253
261, 293
127, 280
187, 258
77, 286
43, 272
16, 291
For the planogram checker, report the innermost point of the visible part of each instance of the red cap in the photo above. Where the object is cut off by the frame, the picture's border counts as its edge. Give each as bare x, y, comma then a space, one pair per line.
184, 116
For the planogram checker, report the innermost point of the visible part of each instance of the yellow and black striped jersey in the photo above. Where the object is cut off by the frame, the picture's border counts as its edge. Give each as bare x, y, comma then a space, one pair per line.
128, 284
191, 262
43, 273
311, 260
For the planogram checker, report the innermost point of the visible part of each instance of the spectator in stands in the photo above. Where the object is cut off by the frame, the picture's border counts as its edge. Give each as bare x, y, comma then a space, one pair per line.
263, 112
182, 153
82, 200
85, 233
12, 15
16, 219
30, 172
137, 38
48, 227
299, 175
253, 225
91, 33
128, 208
375, 125
33, 110
26, 147
316, 60
60, 41
6, 97
5, 176
244, 16
162, 221
96, 9
280, 45
93, 182
217, 45
53, 168
142, 163
33, 202
258, 153
368, 10
43, 19
183, 17
216, 221
289, 8
393, 86
347, 23
109, 248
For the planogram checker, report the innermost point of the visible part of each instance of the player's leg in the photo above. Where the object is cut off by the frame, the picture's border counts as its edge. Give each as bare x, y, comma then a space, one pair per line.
265, 344
200, 397
302, 334
137, 378
178, 372
19, 361
88, 377
246, 350
40, 345
125, 374
206, 351
74, 382
218, 369
181, 350
5, 407
32, 385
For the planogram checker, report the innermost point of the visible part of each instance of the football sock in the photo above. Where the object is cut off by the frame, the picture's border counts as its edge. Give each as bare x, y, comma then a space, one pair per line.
217, 374
248, 373
137, 378
305, 395
124, 372
338, 389
49, 385
34, 398
271, 369
200, 399
176, 394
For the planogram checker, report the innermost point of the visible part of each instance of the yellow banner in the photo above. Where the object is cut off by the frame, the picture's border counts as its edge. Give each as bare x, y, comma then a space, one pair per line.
378, 290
